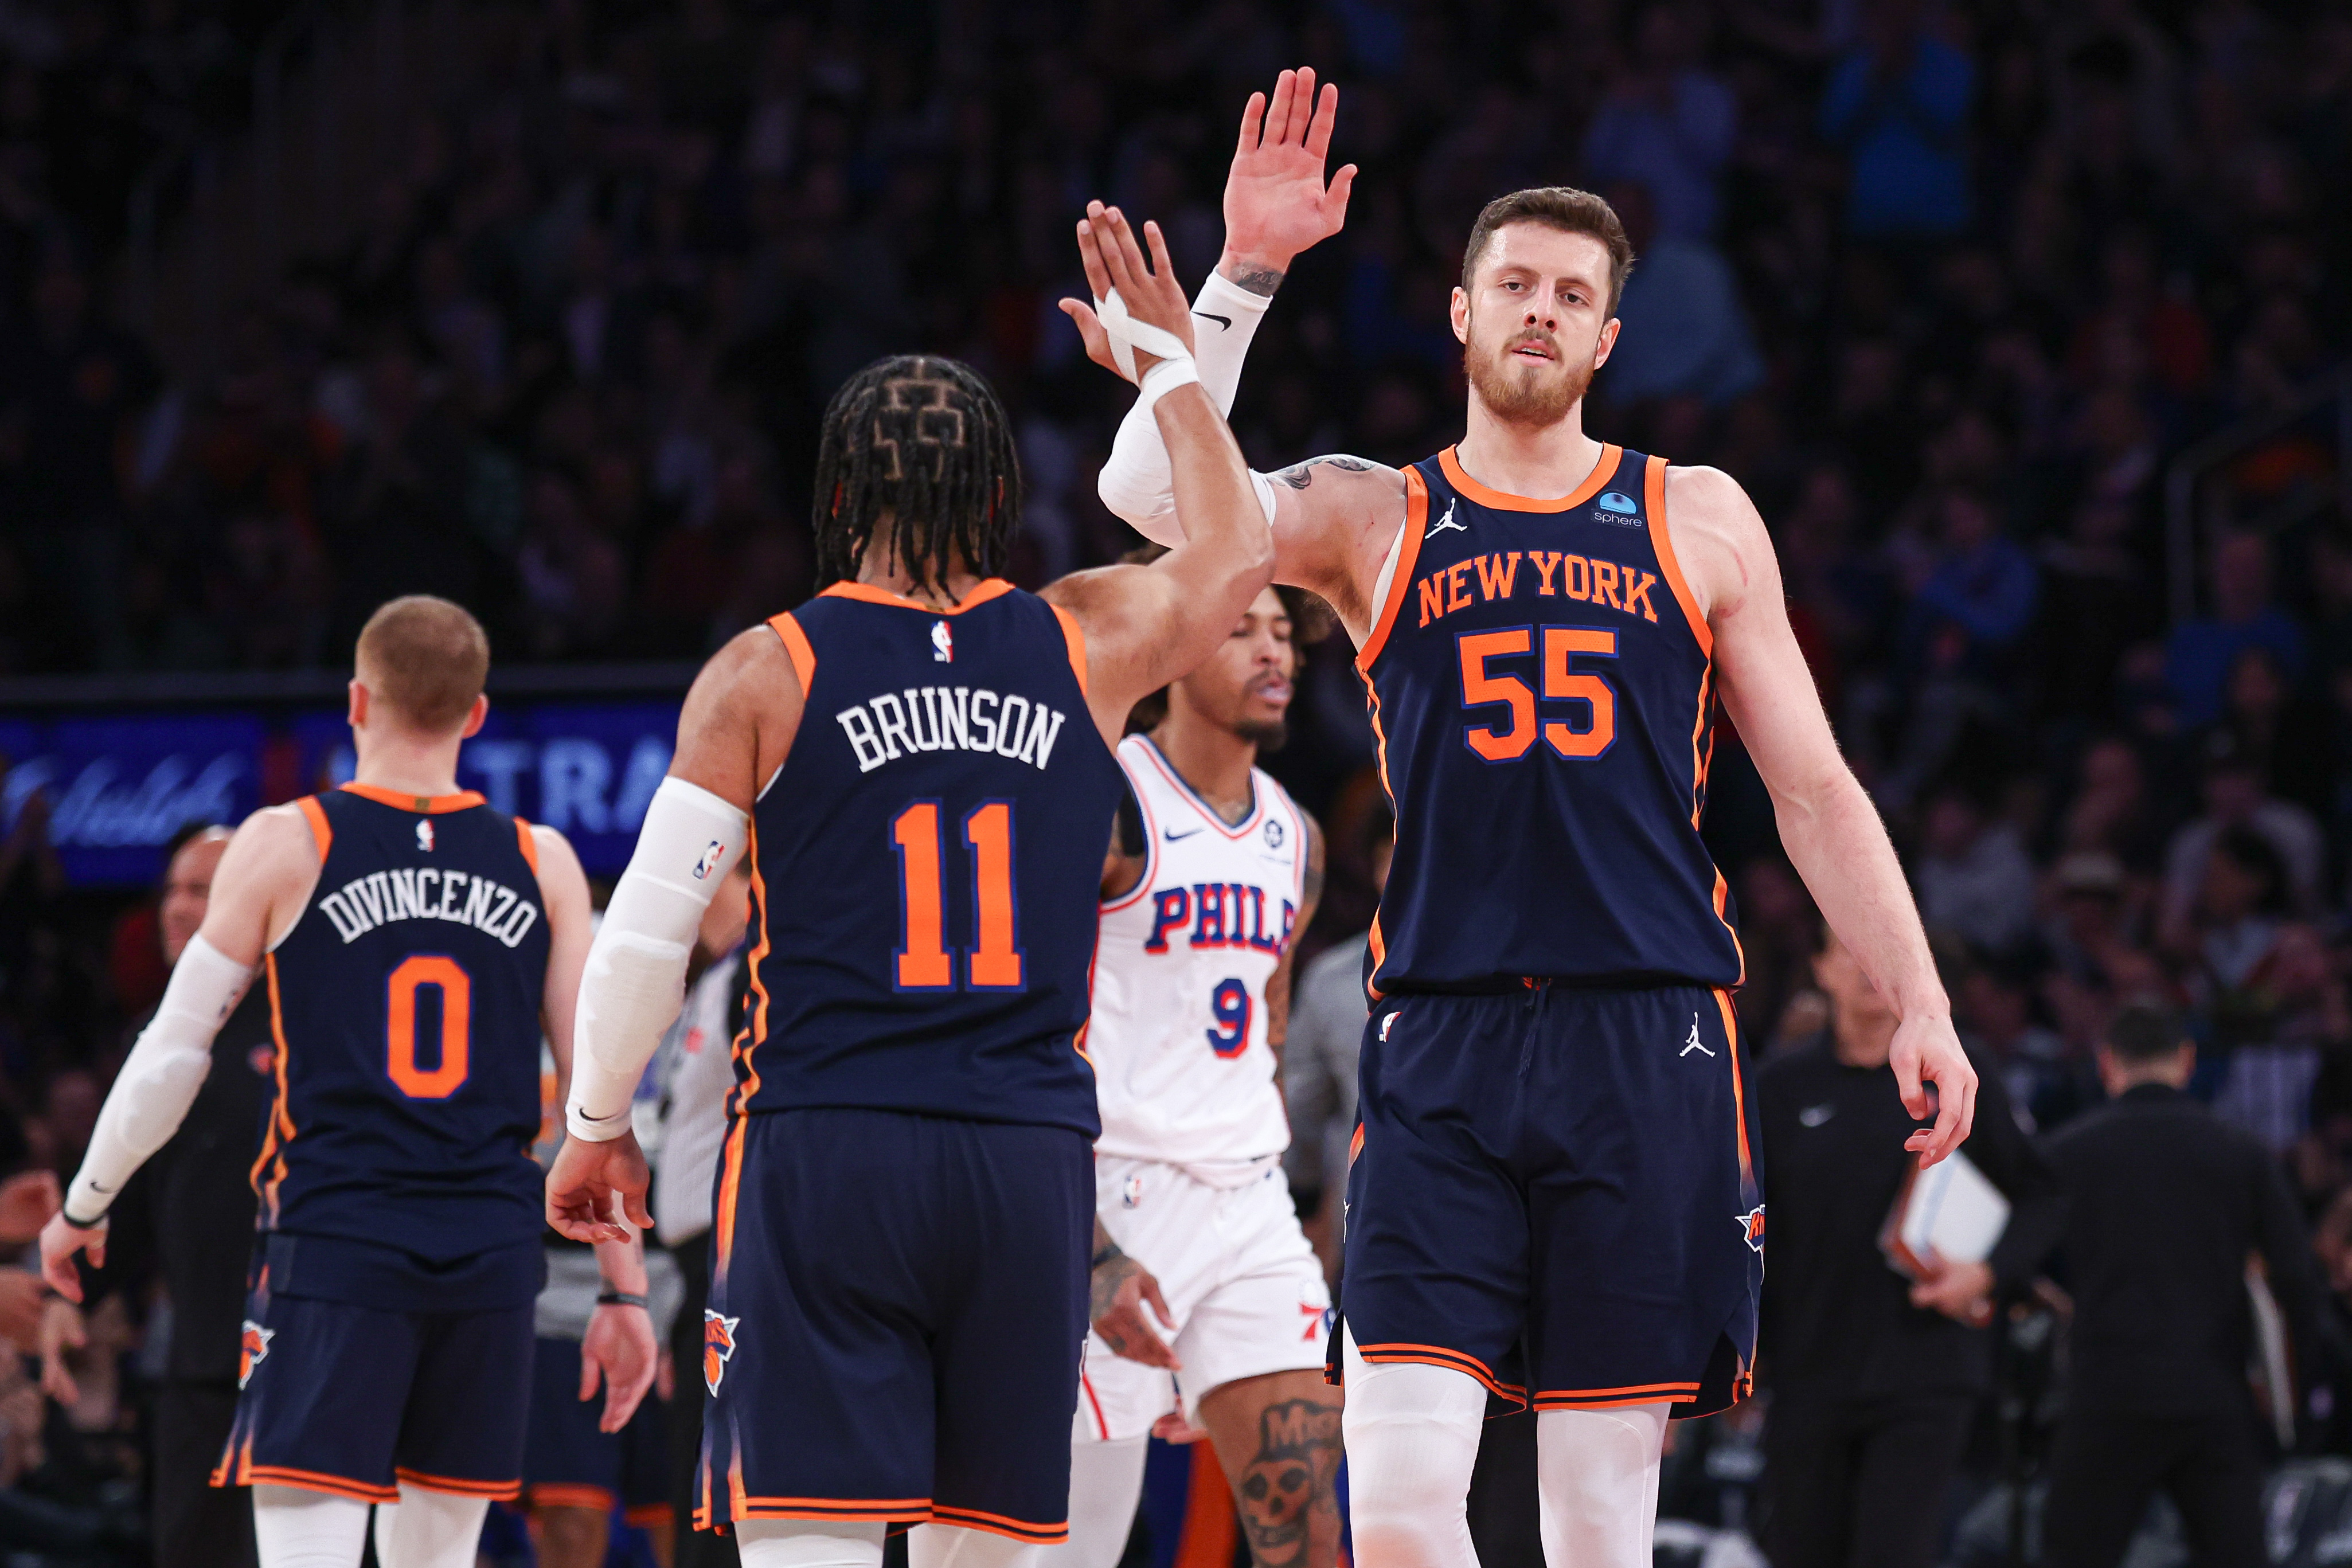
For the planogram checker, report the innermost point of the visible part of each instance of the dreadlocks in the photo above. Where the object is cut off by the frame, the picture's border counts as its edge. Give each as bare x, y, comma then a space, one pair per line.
919, 440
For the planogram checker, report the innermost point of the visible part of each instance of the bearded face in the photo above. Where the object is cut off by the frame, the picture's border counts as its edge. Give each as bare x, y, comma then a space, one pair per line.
1521, 373
1535, 325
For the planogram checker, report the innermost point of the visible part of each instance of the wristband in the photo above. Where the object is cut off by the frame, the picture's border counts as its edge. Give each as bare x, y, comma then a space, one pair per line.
620, 1298
1164, 378
1110, 1250
66, 1214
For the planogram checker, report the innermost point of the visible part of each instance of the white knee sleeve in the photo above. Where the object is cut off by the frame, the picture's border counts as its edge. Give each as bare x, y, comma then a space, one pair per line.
1596, 1474
1105, 1484
1413, 1440
953, 1546
809, 1542
297, 1528
430, 1529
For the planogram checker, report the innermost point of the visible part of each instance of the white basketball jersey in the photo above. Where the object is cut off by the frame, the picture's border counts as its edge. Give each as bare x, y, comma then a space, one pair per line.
1178, 1031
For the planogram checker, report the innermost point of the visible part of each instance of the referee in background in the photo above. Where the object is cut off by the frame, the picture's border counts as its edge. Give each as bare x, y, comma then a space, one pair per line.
2166, 1205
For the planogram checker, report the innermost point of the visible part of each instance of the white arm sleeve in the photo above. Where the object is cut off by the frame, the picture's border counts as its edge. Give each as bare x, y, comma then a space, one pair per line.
1136, 484
160, 1078
636, 966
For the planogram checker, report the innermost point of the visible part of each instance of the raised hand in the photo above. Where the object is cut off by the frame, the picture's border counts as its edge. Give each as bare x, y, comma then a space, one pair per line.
1107, 246
1276, 203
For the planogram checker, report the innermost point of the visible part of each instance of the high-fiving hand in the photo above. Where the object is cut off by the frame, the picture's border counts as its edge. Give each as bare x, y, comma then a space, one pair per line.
1152, 295
1277, 202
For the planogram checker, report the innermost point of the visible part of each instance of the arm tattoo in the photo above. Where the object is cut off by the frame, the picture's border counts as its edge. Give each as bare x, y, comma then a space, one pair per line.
1262, 280
1288, 1482
1298, 475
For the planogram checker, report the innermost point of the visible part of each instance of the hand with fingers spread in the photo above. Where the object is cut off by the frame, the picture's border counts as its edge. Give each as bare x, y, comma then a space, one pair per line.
1107, 244
593, 1185
1925, 1051
1120, 1288
1276, 202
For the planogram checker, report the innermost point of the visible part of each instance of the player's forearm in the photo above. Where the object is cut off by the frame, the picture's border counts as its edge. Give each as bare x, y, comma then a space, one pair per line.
1839, 846
1228, 547
622, 1265
160, 1079
1136, 484
636, 974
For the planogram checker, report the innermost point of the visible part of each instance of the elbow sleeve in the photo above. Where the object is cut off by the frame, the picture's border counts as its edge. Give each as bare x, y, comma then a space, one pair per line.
635, 976
160, 1078
1135, 485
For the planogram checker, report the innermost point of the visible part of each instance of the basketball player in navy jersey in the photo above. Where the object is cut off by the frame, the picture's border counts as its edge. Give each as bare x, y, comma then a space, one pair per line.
413, 943
1556, 1152
918, 762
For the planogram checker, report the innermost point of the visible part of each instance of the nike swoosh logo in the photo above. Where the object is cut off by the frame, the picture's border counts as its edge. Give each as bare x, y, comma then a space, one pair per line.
1224, 324
1172, 835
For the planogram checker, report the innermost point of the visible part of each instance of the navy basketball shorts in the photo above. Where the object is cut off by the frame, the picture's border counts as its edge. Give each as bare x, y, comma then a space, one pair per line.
568, 1461
897, 1308
355, 1400
1554, 1191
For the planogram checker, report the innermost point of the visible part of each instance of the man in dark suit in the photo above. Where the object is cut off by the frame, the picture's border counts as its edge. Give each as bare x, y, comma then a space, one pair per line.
2167, 1204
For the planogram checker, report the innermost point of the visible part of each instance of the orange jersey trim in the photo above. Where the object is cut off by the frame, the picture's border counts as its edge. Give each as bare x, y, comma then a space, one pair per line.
650, 1513
314, 1480
280, 1129
1739, 1090
986, 589
564, 1494
1073, 635
998, 1524
755, 1030
1653, 493
430, 805
749, 1507
1356, 1144
1417, 518
1582, 1402
321, 830
459, 1486
526, 842
1603, 469
1454, 1359
797, 648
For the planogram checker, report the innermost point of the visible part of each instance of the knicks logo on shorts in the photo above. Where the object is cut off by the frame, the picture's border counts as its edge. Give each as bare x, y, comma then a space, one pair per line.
252, 1350
717, 1347
1752, 1224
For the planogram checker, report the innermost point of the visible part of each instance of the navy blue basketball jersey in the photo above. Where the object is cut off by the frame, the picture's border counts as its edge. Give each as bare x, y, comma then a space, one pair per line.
405, 1006
1540, 682
926, 862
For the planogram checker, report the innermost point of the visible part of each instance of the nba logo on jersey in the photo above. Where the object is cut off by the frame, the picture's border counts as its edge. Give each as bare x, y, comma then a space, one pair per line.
253, 1349
718, 1346
424, 834
942, 643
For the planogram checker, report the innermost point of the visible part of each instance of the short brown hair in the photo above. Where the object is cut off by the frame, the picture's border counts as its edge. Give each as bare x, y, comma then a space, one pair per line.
426, 657
1561, 207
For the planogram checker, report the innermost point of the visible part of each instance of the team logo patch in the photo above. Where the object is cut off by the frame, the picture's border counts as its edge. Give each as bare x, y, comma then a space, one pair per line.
718, 1346
1618, 509
424, 835
942, 643
1752, 1225
1445, 522
253, 1349
712, 853
1275, 834
1318, 1316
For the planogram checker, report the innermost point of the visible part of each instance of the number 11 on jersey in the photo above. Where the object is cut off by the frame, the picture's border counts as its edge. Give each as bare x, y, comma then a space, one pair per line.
923, 962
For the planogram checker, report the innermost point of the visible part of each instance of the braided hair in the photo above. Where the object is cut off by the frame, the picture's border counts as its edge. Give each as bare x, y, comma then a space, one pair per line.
921, 440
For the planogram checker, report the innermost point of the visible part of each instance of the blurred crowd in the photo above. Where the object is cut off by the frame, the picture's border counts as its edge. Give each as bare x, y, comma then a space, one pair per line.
1946, 286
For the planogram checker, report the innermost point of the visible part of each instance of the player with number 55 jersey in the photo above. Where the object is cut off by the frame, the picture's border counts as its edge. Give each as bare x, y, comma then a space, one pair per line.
917, 763
414, 942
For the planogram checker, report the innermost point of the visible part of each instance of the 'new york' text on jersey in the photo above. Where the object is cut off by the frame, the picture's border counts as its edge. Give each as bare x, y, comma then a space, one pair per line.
1542, 691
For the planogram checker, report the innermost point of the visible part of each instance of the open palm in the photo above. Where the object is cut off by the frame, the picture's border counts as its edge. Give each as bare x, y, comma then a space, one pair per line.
1276, 203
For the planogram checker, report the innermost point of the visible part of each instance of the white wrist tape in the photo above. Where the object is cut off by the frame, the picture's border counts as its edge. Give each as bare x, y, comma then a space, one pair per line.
1127, 334
636, 977
1164, 378
1137, 484
160, 1078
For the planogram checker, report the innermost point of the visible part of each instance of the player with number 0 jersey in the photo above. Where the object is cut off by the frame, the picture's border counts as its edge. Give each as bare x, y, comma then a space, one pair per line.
414, 942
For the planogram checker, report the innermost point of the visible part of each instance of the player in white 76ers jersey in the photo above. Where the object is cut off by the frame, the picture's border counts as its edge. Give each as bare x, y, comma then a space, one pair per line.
1214, 876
